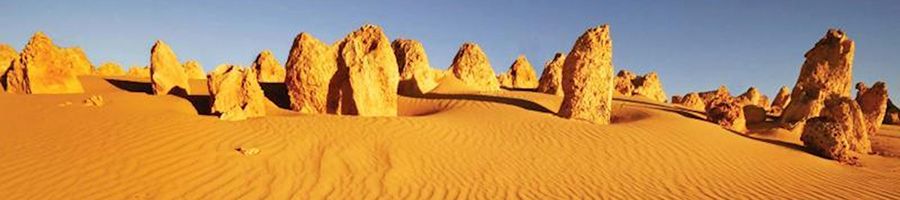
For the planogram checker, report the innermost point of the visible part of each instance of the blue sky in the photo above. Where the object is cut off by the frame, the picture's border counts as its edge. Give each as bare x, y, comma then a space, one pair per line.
694, 45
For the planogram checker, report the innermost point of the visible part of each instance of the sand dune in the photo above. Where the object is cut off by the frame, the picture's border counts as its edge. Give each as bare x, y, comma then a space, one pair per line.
453, 143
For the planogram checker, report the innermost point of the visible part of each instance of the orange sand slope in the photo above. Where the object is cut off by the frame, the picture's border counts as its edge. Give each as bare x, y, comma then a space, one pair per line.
453, 144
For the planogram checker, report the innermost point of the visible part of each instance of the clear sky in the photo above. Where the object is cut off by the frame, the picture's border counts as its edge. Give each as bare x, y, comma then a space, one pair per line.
694, 45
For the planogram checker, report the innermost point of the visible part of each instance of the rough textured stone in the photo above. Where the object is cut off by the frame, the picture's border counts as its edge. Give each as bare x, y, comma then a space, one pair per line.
623, 82
78, 61
848, 114
235, 93
720, 94
166, 73
139, 71
551, 77
8, 55
892, 115
416, 75
472, 67
807, 104
194, 70
873, 102
827, 71
753, 97
754, 114
268, 68
520, 75
781, 99
648, 85
588, 78
825, 136
42, 69
727, 113
372, 74
109, 69
95, 101
309, 71
693, 101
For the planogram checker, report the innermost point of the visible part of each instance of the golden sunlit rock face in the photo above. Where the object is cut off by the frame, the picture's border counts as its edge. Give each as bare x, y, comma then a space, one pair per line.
825, 136
139, 71
472, 67
416, 75
551, 77
77, 60
753, 97
520, 75
781, 100
8, 55
194, 70
166, 73
368, 74
310, 68
727, 113
648, 85
588, 78
42, 68
691, 100
827, 71
235, 93
874, 104
267, 68
109, 69
851, 121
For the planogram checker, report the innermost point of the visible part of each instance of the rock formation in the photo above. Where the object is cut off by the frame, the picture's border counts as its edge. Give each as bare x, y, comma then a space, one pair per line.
95, 101
372, 74
139, 71
754, 114
268, 68
42, 69
551, 77
727, 113
308, 77
623, 82
78, 61
648, 85
781, 99
166, 73
691, 100
8, 55
824, 136
235, 93
720, 94
892, 115
753, 97
472, 67
873, 102
520, 75
827, 71
849, 116
588, 78
194, 70
109, 69
416, 75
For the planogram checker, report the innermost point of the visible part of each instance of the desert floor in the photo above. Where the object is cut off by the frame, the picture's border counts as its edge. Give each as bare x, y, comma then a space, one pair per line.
450, 144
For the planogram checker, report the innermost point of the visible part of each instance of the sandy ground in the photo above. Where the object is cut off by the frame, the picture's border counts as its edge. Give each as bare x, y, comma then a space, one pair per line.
452, 144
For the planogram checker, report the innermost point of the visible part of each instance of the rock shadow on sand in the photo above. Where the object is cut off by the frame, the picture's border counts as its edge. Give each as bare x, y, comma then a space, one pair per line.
201, 103
522, 103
